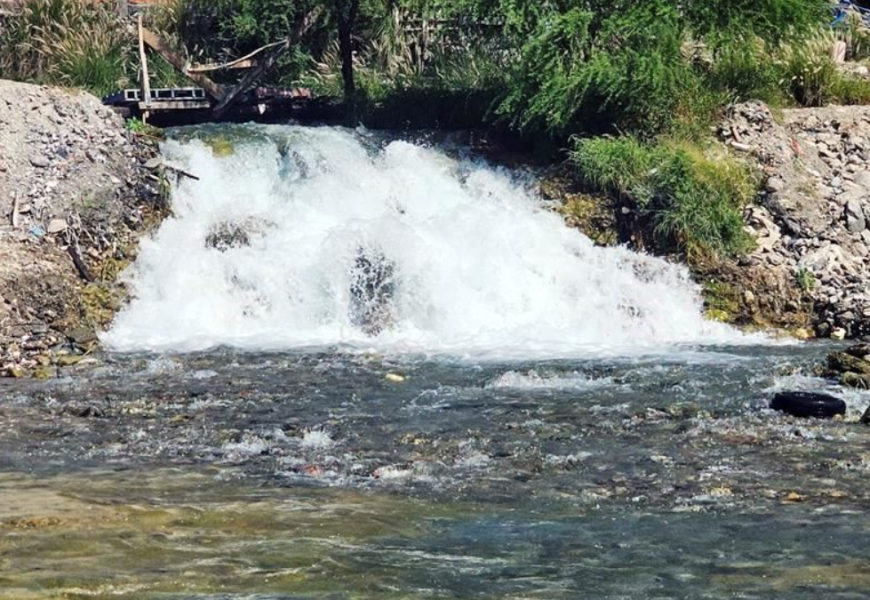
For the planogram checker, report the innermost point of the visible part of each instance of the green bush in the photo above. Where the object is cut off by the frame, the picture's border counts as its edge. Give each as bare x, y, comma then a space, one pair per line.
692, 202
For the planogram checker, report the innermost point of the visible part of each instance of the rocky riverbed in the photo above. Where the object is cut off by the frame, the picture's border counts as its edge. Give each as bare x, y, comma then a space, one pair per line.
74, 197
323, 474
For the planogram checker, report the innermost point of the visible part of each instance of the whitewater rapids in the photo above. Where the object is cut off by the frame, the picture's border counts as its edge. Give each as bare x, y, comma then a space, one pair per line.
479, 265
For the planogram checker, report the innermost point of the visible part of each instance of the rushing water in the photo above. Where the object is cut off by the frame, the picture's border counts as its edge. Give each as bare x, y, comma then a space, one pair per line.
477, 264
535, 417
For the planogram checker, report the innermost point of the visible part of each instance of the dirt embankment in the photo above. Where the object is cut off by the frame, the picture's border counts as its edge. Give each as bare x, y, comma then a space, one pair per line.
74, 197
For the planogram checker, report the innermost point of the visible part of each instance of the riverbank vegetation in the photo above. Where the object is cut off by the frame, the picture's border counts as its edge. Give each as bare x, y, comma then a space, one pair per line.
651, 76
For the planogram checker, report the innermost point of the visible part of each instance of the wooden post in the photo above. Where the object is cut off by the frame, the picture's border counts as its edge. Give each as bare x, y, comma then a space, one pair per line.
146, 82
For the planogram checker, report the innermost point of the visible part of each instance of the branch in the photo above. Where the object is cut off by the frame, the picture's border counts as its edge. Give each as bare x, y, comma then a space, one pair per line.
252, 76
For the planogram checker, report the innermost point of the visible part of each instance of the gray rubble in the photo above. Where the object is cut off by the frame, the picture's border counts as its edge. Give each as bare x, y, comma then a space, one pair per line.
812, 218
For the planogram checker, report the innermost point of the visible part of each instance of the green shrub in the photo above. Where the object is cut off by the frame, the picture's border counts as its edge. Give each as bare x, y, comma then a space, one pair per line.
743, 70
692, 202
580, 73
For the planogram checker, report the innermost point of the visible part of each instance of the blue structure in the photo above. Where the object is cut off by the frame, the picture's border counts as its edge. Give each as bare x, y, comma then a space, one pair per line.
844, 8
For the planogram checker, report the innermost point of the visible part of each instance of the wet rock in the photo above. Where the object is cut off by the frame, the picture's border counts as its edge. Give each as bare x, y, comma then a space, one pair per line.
859, 350
14, 372
855, 380
808, 405
865, 418
225, 236
841, 362
82, 335
372, 292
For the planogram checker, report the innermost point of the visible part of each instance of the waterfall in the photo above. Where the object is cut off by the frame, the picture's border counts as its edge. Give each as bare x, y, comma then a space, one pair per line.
298, 237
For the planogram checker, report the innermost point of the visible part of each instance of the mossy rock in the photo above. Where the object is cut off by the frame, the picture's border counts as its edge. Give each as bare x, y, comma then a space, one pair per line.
594, 216
220, 146
721, 301
840, 362
100, 302
855, 380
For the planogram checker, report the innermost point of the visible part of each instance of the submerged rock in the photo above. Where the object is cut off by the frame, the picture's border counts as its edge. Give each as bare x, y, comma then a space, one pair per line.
808, 404
372, 292
227, 235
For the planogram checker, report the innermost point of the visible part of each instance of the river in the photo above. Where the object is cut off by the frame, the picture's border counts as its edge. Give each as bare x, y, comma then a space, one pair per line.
484, 405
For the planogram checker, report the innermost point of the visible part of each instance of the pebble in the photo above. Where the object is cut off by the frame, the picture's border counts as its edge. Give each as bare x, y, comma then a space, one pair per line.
56, 226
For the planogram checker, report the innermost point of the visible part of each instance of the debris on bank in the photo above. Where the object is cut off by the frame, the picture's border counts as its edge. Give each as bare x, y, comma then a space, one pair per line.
74, 198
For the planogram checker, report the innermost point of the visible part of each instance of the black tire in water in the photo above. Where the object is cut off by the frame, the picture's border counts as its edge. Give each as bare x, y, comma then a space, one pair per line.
808, 404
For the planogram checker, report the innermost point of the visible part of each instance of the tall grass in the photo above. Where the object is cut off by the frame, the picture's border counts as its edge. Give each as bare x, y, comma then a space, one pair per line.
67, 42
692, 201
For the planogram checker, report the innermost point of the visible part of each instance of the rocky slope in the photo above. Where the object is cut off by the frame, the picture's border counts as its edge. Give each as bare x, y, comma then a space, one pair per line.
74, 196
811, 221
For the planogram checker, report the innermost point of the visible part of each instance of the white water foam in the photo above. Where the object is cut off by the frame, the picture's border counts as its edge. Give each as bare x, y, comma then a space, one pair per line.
479, 266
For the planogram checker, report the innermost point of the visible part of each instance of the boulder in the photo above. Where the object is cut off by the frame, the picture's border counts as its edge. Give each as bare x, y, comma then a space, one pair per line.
854, 380
372, 292
855, 220
840, 362
859, 350
227, 235
807, 405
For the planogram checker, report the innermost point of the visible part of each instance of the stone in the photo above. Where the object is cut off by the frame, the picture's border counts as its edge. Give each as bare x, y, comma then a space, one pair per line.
775, 184
840, 362
865, 418
82, 335
56, 226
855, 220
859, 350
154, 163
807, 405
14, 372
226, 236
854, 380
863, 180
40, 162
838, 333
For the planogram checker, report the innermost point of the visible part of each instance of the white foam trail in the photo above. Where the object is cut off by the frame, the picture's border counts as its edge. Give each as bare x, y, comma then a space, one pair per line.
535, 381
480, 266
